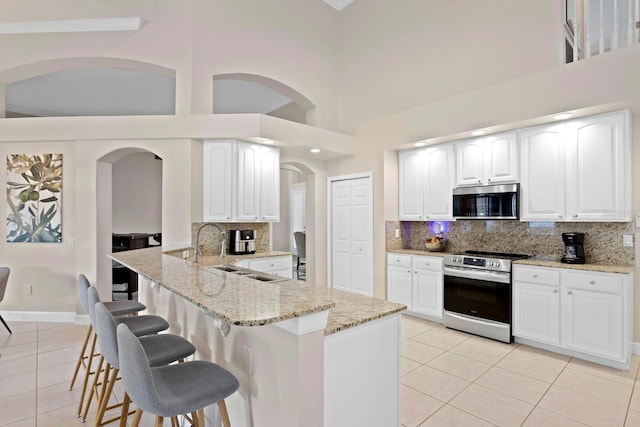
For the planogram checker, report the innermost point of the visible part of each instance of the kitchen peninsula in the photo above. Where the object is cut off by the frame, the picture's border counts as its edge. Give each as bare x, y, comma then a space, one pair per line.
303, 354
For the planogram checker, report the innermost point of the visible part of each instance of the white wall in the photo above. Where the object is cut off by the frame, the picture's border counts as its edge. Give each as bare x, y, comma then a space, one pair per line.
137, 194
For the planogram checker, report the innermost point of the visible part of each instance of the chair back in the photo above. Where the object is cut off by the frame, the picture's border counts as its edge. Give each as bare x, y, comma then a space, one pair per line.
300, 238
105, 326
92, 299
83, 285
4, 279
136, 372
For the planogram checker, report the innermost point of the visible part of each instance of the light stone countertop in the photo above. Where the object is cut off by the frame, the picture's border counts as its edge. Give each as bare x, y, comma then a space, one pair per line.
540, 261
243, 301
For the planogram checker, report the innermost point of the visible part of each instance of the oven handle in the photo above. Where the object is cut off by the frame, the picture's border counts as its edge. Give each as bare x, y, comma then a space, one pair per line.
472, 273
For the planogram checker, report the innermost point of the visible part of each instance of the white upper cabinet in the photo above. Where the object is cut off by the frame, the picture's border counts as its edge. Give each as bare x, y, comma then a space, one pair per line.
426, 183
598, 178
577, 171
241, 182
487, 161
542, 188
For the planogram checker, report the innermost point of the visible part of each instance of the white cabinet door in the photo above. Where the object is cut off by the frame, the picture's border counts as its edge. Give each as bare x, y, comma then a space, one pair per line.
427, 292
469, 162
269, 184
399, 285
411, 190
542, 187
593, 322
536, 312
438, 182
596, 169
501, 158
218, 181
248, 192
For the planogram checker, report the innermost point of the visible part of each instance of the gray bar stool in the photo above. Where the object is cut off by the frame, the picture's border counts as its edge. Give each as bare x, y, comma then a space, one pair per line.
178, 389
161, 349
4, 278
140, 325
117, 308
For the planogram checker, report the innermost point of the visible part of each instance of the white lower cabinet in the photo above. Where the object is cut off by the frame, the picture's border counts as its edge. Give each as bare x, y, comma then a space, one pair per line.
580, 313
417, 282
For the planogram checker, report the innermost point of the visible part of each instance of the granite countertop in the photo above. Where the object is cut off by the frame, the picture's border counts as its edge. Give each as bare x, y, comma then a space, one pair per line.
541, 261
242, 301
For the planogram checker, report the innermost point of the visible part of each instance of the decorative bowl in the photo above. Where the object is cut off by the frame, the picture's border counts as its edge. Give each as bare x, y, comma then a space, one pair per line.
435, 246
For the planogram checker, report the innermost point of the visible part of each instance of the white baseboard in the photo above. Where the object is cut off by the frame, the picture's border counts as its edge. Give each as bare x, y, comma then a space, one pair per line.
635, 348
45, 316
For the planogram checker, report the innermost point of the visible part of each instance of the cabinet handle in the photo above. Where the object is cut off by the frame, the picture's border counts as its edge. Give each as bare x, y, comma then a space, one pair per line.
559, 216
488, 179
397, 260
479, 181
575, 215
570, 293
408, 271
535, 276
555, 291
592, 282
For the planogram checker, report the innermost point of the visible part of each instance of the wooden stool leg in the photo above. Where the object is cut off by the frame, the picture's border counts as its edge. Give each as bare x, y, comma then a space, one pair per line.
106, 394
200, 422
136, 418
87, 373
81, 358
159, 421
224, 415
94, 388
125, 410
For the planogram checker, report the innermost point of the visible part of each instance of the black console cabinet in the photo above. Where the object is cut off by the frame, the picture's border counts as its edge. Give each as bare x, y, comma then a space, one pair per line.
121, 275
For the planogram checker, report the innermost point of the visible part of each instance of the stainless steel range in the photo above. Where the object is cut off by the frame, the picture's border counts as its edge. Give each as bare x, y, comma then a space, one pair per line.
477, 293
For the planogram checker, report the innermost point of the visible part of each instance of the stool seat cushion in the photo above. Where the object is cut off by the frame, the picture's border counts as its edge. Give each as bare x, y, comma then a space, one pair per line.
121, 308
144, 325
163, 349
187, 387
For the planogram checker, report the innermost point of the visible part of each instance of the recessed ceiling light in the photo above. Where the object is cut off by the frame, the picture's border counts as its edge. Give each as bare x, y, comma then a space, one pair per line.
562, 116
478, 132
315, 150
419, 144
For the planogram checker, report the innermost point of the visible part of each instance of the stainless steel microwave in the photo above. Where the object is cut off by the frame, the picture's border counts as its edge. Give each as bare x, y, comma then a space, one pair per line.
486, 202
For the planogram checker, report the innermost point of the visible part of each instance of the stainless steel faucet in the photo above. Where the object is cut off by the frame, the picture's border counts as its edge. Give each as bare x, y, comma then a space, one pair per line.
197, 249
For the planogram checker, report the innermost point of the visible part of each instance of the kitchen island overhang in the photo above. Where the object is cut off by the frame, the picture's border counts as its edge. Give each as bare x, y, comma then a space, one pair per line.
304, 354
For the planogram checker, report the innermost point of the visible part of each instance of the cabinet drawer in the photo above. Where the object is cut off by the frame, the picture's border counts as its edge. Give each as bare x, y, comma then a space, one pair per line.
593, 282
427, 263
536, 275
270, 264
399, 260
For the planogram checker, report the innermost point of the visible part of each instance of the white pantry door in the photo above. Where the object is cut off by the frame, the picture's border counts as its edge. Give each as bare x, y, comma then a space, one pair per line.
352, 235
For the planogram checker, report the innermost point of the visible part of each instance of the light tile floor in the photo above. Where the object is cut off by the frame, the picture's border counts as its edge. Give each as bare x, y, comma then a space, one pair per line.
448, 379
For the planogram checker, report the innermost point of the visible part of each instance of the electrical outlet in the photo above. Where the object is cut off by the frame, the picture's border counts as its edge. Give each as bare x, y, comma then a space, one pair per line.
248, 362
627, 240
397, 233
28, 289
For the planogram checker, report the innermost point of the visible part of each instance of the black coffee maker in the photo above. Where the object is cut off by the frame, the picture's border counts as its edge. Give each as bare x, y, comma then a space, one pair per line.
573, 248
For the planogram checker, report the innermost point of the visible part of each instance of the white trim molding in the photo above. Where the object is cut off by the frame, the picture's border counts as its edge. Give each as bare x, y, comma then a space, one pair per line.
72, 25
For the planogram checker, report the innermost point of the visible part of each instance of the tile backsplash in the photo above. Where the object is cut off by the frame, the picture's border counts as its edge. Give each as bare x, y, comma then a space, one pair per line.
210, 238
603, 240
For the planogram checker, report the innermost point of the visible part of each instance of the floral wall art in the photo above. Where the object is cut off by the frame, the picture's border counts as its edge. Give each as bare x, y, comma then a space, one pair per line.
34, 198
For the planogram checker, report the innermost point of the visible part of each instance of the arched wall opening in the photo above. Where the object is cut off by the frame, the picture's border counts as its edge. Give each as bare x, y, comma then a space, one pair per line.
87, 86
129, 200
260, 94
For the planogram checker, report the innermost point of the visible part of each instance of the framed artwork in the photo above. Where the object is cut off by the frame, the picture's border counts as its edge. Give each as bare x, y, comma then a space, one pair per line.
34, 198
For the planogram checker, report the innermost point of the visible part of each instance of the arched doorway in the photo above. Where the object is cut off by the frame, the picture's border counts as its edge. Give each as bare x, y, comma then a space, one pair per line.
129, 211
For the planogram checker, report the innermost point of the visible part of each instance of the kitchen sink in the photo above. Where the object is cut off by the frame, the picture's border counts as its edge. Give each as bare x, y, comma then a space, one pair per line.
251, 274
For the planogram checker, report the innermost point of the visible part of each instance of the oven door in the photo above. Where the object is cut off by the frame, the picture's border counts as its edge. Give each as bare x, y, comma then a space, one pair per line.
478, 293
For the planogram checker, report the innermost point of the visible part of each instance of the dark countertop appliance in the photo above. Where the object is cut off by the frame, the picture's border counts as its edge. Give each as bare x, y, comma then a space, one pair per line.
573, 248
242, 242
